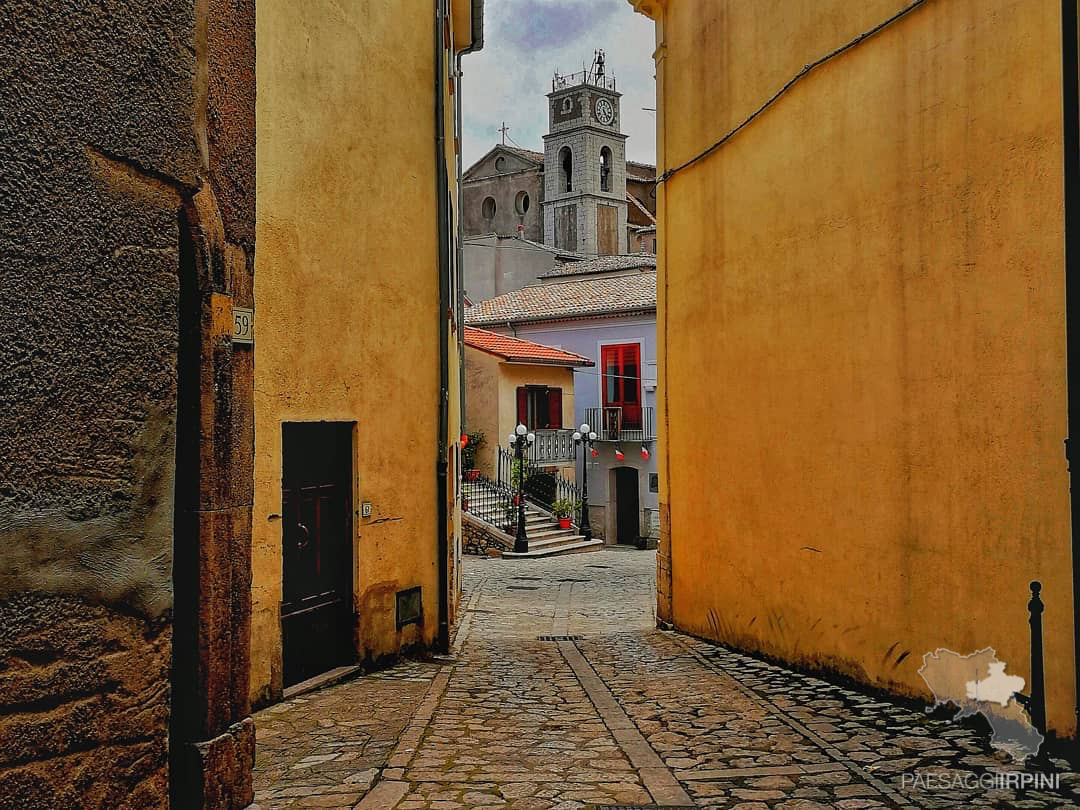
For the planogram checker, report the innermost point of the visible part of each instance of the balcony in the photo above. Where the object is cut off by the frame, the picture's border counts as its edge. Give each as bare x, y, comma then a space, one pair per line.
612, 425
597, 79
552, 447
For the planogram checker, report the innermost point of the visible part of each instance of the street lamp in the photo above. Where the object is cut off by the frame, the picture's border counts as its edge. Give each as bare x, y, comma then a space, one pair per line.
519, 440
585, 436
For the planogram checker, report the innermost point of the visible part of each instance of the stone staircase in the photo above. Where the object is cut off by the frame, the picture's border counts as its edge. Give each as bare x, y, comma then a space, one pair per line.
546, 539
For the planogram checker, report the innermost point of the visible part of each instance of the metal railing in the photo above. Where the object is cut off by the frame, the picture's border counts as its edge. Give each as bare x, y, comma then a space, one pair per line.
553, 447
491, 501
543, 487
611, 426
561, 81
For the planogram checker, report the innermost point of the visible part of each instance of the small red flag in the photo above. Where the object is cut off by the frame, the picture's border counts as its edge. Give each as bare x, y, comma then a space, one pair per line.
619, 454
644, 452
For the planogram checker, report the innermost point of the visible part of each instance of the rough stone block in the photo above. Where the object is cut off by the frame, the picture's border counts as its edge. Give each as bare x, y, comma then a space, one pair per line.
84, 706
220, 769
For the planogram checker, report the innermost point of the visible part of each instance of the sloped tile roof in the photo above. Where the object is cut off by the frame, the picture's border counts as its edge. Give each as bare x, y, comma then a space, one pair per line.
526, 154
572, 298
604, 264
522, 351
641, 172
529, 156
522, 243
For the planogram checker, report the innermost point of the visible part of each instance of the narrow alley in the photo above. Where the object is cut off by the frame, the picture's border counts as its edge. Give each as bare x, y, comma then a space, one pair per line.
561, 693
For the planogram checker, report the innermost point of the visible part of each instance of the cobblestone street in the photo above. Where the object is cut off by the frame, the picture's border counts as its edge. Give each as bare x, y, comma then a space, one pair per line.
618, 714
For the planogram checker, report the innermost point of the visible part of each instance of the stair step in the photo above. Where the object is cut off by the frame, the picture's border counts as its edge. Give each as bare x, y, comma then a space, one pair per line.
582, 545
551, 531
561, 537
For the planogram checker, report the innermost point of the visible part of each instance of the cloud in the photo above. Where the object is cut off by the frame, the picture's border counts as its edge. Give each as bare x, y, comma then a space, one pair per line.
539, 25
526, 41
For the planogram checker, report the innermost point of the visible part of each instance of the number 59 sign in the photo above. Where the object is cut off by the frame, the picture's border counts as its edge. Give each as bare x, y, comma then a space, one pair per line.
243, 325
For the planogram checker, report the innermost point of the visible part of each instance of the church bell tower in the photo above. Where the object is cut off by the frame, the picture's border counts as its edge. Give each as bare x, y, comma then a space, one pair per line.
585, 164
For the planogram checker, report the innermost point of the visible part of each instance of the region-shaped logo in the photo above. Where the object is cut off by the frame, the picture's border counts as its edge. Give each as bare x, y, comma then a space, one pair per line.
977, 684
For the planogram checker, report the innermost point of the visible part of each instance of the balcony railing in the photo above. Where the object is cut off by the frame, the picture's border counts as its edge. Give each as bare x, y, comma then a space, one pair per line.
611, 425
553, 447
562, 81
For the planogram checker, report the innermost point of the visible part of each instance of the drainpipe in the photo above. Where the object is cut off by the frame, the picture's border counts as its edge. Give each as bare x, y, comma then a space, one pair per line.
459, 304
442, 194
1070, 86
476, 43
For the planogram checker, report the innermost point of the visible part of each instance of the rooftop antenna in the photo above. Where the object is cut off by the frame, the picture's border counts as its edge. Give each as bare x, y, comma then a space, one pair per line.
598, 61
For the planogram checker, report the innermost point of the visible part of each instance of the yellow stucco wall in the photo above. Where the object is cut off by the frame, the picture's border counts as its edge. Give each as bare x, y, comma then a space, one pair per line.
491, 399
512, 375
516, 374
862, 306
482, 404
347, 295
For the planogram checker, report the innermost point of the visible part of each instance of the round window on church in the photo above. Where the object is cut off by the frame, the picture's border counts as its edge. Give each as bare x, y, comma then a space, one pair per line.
522, 203
488, 208
500, 164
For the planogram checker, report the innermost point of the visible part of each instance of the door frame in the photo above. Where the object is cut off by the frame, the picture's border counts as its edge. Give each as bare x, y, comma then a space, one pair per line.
352, 490
614, 501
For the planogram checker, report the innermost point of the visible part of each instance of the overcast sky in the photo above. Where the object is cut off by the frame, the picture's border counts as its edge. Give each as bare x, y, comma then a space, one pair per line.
526, 40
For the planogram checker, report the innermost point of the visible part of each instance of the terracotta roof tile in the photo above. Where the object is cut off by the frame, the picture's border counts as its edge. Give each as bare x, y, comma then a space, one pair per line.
521, 351
604, 264
573, 298
527, 154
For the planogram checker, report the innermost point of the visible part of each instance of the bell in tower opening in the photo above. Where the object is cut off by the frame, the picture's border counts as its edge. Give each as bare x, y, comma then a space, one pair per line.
585, 206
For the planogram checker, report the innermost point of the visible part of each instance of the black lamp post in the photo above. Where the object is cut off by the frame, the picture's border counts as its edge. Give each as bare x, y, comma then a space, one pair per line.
585, 436
519, 440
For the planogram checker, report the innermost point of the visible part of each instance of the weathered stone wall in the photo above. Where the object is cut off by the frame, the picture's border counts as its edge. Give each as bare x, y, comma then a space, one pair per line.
482, 540
504, 189
112, 116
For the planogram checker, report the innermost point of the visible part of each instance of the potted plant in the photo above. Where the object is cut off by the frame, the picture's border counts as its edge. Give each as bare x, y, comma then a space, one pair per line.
468, 455
563, 509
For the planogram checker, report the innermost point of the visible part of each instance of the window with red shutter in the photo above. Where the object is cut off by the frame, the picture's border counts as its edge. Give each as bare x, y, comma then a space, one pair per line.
621, 365
539, 407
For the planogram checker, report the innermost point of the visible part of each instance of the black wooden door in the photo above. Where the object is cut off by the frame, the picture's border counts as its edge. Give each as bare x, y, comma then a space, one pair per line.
316, 538
627, 522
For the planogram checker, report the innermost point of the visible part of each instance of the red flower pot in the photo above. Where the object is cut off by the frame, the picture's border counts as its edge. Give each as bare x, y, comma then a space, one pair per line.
564, 523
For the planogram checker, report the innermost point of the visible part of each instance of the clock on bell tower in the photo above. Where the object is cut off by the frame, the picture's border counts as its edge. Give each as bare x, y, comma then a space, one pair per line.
585, 164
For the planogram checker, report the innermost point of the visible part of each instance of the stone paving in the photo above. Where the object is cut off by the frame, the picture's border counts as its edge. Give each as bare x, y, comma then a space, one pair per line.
607, 710
327, 748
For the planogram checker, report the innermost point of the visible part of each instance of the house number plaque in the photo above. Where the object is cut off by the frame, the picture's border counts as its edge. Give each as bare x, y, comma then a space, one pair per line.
243, 325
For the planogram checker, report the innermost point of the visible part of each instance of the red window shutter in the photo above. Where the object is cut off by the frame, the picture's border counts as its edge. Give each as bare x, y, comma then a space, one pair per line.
522, 406
555, 408
611, 362
622, 381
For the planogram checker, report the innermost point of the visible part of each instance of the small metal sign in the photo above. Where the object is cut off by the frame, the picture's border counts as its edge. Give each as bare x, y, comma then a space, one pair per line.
243, 325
